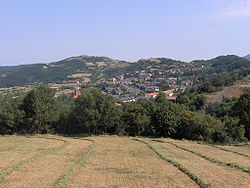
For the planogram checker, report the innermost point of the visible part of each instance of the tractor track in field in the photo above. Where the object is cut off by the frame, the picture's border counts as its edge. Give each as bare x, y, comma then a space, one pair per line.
9, 169
213, 160
228, 150
64, 179
112, 161
200, 182
122, 162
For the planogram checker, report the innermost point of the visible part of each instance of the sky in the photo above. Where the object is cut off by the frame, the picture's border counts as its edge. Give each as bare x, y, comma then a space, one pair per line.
44, 31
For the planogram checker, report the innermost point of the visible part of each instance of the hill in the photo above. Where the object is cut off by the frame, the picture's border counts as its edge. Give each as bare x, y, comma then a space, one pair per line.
223, 64
247, 57
79, 68
92, 69
82, 68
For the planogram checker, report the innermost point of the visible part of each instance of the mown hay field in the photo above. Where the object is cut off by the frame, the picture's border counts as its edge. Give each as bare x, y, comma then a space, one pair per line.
112, 161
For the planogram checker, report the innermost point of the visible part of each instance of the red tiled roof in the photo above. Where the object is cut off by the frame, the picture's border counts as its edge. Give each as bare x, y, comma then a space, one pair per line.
153, 94
117, 104
172, 98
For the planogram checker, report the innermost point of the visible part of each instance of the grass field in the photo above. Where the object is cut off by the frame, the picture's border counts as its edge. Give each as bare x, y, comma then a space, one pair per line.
111, 161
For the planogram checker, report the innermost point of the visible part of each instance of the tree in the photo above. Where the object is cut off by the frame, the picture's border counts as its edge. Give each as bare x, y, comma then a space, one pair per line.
40, 110
166, 118
135, 119
150, 106
205, 126
183, 98
196, 126
199, 101
186, 125
221, 109
94, 112
234, 129
192, 100
10, 115
241, 109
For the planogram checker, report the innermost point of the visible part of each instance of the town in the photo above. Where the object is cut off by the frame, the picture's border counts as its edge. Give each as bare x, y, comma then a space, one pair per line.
143, 83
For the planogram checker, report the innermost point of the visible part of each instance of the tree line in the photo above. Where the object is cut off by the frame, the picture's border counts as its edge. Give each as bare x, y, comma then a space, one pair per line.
93, 112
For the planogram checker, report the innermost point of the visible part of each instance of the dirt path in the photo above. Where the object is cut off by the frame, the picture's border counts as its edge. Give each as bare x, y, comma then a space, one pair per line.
216, 176
122, 162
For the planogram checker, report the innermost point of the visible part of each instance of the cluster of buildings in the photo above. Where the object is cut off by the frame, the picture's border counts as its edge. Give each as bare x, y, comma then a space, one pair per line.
141, 83
148, 83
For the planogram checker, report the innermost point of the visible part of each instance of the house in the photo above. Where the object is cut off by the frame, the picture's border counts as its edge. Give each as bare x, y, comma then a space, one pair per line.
168, 93
172, 99
77, 94
151, 95
70, 92
118, 104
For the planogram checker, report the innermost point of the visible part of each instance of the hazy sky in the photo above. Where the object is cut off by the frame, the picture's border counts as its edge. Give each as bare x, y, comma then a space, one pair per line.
35, 31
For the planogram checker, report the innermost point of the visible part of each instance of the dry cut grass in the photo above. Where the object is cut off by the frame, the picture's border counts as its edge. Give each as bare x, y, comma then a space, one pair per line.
241, 149
122, 162
111, 161
45, 170
16, 148
209, 172
215, 153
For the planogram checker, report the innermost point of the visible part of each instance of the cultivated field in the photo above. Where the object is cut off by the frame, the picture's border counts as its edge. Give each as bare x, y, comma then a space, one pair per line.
111, 161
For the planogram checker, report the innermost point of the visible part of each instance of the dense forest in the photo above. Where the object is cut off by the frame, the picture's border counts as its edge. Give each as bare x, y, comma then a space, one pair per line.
93, 112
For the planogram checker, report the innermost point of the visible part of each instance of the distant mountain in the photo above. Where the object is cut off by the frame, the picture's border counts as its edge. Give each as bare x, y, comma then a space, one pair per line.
93, 68
247, 57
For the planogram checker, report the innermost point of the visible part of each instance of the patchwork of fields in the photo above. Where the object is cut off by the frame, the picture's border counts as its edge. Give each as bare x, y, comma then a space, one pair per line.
111, 161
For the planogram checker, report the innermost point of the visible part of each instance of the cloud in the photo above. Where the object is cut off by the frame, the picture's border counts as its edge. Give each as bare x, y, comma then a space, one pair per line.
240, 9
